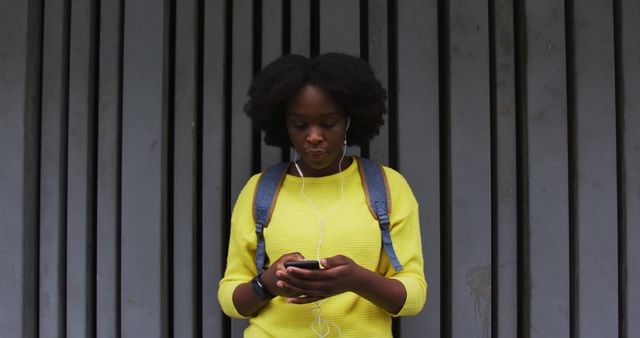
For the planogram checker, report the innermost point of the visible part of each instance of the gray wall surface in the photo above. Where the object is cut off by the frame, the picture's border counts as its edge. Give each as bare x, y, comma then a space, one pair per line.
124, 146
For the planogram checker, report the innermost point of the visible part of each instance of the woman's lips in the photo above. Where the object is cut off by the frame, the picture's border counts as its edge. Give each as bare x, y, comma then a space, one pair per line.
316, 153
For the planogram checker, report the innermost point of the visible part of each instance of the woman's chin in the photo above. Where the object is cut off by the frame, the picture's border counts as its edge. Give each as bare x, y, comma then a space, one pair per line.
318, 165
319, 162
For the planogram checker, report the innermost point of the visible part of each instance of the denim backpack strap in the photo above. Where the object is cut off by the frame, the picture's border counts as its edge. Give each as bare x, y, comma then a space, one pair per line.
376, 190
264, 199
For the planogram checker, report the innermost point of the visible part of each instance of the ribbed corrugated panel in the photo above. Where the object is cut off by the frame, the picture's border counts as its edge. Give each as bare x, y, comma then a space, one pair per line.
124, 146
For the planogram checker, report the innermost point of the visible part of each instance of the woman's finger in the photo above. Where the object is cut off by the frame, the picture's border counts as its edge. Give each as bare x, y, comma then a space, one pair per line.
315, 286
303, 274
338, 260
292, 290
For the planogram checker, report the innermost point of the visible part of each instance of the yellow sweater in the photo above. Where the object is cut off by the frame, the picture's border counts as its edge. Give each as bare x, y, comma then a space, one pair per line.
349, 230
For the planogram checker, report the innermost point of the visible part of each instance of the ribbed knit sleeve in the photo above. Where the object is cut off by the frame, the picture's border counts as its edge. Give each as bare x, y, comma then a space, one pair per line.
242, 249
405, 233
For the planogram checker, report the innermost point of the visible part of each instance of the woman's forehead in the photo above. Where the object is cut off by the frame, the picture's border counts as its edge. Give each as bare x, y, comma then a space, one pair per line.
312, 100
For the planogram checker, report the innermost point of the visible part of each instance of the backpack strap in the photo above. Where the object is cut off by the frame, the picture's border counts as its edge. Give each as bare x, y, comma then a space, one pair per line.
376, 190
264, 199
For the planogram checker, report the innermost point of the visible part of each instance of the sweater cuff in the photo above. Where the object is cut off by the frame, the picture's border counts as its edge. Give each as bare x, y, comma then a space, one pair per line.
225, 297
416, 296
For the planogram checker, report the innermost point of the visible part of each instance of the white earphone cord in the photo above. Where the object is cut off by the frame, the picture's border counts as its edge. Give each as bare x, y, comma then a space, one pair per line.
321, 327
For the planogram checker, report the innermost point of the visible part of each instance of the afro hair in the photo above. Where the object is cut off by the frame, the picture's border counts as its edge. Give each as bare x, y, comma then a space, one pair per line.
347, 79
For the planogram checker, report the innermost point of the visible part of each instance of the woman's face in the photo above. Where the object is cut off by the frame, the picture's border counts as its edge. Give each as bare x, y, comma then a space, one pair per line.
317, 126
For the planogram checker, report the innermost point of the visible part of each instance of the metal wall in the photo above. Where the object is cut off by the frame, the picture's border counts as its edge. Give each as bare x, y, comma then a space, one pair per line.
124, 146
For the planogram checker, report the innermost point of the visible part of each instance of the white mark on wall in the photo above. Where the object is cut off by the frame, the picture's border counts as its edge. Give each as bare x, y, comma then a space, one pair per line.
479, 282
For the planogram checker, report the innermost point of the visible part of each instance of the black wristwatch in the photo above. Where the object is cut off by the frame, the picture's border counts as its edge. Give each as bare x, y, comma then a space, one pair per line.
260, 289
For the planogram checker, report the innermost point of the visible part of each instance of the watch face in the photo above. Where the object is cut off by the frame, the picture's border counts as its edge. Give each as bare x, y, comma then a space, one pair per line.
259, 289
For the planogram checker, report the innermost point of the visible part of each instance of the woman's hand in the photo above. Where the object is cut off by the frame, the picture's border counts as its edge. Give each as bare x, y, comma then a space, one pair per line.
245, 299
340, 274
269, 276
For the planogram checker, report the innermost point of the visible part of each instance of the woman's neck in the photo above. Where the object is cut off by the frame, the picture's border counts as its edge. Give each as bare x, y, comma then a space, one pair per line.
309, 171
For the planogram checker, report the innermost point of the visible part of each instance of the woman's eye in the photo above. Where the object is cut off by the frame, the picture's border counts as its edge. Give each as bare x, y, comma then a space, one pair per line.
328, 125
299, 125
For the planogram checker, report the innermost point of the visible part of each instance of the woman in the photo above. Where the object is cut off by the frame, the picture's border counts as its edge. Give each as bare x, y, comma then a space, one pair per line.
319, 106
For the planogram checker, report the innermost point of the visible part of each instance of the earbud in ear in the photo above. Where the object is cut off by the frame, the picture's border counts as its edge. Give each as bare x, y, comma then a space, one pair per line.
345, 130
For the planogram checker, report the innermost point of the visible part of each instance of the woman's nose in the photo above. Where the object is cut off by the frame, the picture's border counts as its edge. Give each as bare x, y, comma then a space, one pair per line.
314, 135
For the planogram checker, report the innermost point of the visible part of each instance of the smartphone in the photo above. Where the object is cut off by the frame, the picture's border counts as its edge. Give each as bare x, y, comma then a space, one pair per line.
309, 265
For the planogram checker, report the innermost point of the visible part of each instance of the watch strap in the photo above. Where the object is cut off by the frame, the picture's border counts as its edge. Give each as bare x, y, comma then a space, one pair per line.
260, 289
